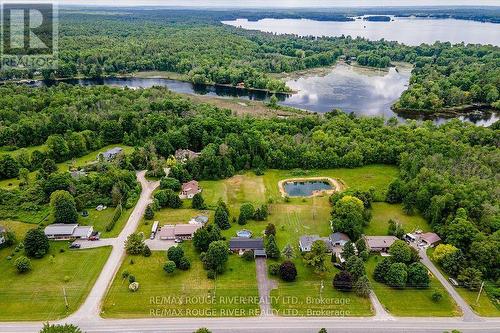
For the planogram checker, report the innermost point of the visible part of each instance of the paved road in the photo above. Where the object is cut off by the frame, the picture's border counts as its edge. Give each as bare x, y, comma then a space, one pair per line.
90, 310
468, 314
265, 285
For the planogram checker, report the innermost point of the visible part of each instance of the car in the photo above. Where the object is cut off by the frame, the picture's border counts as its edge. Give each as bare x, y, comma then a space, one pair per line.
75, 246
178, 240
95, 236
339, 266
152, 236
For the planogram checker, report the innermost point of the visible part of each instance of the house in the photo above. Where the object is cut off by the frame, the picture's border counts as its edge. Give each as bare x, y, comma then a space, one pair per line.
184, 155
306, 242
189, 189
339, 239
178, 231
200, 219
3, 231
430, 239
62, 231
379, 243
243, 244
110, 155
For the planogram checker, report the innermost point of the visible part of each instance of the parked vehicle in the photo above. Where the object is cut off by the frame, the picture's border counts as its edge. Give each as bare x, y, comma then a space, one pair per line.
75, 246
95, 236
152, 236
178, 240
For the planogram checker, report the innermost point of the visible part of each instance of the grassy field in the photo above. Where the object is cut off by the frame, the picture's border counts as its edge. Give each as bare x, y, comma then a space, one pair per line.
412, 302
63, 166
39, 294
99, 220
28, 150
484, 307
19, 228
382, 212
184, 293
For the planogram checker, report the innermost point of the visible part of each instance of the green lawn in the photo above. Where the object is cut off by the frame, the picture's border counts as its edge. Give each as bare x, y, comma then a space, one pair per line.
484, 307
304, 296
382, 212
19, 228
28, 150
412, 302
99, 220
184, 293
39, 294
63, 166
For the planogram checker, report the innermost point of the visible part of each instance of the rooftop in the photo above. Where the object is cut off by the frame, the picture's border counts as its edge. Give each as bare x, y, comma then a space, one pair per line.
246, 243
339, 236
83, 231
60, 229
430, 237
380, 241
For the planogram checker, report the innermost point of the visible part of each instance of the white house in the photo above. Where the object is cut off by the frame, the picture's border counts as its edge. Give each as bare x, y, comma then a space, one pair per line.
62, 231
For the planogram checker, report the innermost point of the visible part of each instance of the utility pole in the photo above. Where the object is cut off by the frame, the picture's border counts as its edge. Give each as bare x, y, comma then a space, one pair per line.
479, 293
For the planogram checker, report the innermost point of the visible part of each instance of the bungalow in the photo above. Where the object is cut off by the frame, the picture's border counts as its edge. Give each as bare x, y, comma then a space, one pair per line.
184, 155
3, 231
339, 239
110, 155
306, 242
178, 231
379, 243
430, 239
62, 231
242, 244
189, 189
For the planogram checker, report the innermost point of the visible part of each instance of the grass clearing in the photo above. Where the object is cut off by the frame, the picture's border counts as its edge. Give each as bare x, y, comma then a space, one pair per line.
183, 293
484, 307
39, 294
382, 212
412, 302
99, 220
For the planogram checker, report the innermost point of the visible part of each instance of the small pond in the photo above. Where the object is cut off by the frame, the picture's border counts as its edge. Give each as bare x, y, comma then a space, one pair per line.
306, 188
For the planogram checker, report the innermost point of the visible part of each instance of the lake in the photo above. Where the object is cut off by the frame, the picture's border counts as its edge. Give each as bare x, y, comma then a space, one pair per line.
305, 188
365, 92
407, 30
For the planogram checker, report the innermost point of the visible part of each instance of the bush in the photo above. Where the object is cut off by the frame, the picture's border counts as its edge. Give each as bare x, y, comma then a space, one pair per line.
170, 184
175, 254
146, 252
125, 274
169, 267
211, 274
66, 328
436, 296
116, 216
274, 269
131, 278
343, 281
248, 256
184, 264
36, 244
198, 202
288, 271
397, 275
23, 264
149, 213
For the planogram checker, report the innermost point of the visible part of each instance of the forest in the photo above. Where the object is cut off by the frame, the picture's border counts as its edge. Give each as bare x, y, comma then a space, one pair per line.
448, 173
197, 46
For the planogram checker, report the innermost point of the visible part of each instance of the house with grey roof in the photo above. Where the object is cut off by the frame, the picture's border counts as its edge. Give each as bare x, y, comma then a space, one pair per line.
306, 242
110, 154
339, 239
379, 243
62, 231
243, 244
200, 219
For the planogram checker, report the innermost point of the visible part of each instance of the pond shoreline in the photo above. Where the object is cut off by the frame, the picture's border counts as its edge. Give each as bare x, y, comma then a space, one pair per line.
451, 112
337, 185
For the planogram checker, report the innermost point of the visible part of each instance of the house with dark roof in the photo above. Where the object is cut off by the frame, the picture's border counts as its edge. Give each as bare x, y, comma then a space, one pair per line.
339, 239
243, 244
184, 155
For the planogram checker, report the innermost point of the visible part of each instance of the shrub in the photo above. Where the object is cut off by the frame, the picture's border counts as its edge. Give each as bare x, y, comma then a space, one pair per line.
36, 244
418, 276
436, 296
116, 216
169, 267
270, 229
146, 252
66, 328
131, 278
343, 281
134, 244
175, 254
380, 272
397, 275
134, 286
125, 274
274, 269
23, 264
248, 256
363, 287
184, 264
170, 183
211, 274
198, 202
149, 213
288, 271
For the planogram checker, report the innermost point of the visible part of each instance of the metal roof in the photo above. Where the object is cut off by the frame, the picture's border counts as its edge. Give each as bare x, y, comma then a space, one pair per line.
246, 243
60, 229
